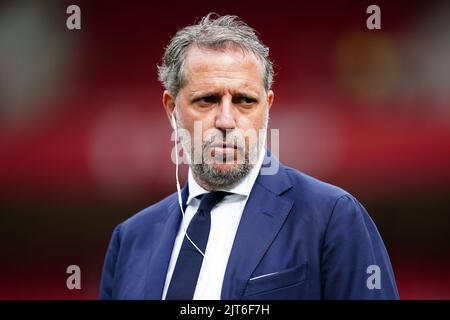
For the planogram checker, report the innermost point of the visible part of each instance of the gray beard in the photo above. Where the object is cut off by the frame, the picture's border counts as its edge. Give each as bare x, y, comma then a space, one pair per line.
217, 179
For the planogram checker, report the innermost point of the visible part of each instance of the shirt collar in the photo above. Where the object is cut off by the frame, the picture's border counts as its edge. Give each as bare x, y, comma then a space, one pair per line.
244, 187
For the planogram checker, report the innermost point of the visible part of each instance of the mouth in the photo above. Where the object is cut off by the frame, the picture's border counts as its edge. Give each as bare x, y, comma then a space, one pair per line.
223, 146
223, 150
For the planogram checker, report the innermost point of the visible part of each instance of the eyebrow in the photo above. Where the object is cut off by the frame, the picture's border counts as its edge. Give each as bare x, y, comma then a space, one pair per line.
245, 95
197, 96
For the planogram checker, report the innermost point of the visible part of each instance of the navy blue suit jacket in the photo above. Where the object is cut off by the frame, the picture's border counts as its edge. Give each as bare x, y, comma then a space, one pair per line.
312, 240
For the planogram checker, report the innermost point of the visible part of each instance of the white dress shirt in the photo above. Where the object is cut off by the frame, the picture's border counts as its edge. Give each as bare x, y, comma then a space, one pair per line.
225, 218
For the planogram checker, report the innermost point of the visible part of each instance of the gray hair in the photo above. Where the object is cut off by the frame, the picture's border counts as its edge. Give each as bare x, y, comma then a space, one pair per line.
215, 34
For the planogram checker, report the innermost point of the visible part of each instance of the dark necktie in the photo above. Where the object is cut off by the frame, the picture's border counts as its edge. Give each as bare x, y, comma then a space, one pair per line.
189, 261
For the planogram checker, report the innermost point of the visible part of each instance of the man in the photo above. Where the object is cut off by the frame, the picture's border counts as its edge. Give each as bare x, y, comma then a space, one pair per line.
236, 230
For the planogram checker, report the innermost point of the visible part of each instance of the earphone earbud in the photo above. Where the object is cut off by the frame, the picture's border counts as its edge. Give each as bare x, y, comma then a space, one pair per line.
174, 123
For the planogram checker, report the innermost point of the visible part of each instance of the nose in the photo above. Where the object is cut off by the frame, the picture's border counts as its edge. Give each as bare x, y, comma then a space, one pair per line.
225, 115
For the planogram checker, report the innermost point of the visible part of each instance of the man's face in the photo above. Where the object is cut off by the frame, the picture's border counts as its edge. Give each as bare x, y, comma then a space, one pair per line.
224, 92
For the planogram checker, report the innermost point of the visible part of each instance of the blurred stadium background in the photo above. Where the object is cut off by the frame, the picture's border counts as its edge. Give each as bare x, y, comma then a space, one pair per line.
84, 142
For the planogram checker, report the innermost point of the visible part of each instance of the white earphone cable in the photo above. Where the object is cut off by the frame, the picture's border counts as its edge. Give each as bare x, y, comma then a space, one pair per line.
180, 200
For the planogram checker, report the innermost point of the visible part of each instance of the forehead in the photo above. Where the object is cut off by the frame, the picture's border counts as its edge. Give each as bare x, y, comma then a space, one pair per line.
229, 67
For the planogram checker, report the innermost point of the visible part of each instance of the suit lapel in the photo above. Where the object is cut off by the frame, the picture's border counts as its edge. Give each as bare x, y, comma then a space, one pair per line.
166, 232
263, 217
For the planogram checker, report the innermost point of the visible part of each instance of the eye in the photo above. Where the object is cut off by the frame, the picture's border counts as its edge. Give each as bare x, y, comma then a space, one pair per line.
244, 100
207, 100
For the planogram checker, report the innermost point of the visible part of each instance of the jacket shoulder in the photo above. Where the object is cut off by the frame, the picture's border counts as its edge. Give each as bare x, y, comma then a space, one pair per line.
316, 199
313, 186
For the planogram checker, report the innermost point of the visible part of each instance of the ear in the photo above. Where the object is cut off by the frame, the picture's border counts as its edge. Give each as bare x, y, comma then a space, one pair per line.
270, 97
168, 101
